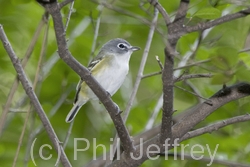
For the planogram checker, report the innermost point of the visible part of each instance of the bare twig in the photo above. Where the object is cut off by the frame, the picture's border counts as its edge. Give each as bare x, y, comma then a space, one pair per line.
69, 14
33, 98
184, 77
244, 50
194, 89
178, 68
207, 159
177, 30
142, 65
162, 10
141, 5
64, 3
24, 62
153, 116
223, 19
216, 126
125, 12
182, 11
97, 26
42, 54
151, 74
51, 113
159, 62
207, 100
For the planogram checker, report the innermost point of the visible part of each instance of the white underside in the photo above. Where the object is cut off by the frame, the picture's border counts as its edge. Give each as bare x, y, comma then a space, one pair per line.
111, 79
113, 76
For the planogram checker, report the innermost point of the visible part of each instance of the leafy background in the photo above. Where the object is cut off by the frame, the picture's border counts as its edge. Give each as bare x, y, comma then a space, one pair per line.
56, 87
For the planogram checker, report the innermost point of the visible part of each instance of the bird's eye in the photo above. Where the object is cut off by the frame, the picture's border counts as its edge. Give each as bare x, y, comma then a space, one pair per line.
122, 46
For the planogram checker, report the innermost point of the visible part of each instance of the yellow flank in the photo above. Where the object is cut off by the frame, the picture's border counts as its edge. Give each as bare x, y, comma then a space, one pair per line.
100, 66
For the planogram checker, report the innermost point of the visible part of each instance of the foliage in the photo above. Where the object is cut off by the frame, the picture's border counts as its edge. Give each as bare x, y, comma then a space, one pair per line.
223, 45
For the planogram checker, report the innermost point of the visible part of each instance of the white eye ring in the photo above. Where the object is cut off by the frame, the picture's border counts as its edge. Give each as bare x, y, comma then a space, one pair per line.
122, 46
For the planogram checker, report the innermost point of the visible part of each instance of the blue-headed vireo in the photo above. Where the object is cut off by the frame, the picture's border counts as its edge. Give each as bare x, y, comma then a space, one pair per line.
109, 68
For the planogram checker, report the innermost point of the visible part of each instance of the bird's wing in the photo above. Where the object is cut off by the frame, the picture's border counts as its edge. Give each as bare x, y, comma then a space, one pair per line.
91, 65
96, 60
78, 88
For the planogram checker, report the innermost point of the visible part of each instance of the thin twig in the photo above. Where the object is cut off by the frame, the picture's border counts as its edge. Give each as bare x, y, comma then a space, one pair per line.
223, 19
33, 98
178, 68
207, 100
21, 136
162, 10
206, 159
142, 3
69, 15
159, 62
65, 142
51, 113
42, 54
125, 12
216, 126
24, 62
64, 3
193, 89
244, 50
97, 26
141, 68
191, 76
153, 116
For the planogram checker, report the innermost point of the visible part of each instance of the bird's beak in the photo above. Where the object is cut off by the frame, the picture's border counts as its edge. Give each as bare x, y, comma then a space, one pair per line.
134, 48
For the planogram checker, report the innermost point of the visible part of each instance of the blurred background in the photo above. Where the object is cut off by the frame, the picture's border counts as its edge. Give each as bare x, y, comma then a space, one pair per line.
222, 51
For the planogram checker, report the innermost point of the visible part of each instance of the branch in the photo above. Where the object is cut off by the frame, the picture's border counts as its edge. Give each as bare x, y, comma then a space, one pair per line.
184, 77
182, 11
216, 126
193, 117
125, 12
142, 65
85, 74
68, 16
178, 68
64, 3
33, 98
206, 159
223, 19
24, 62
177, 30
168, 92
147, 135
162, 10
201, 111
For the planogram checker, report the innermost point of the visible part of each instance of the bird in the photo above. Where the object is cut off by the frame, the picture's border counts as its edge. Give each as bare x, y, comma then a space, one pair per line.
109, 68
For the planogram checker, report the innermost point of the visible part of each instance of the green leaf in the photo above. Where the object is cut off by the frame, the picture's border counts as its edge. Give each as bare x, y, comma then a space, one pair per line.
245, 57
208, 13
242, 74
219, 79
229, 54
20, 1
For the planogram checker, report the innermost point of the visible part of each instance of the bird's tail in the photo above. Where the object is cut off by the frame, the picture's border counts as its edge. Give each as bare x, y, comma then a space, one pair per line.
71, 115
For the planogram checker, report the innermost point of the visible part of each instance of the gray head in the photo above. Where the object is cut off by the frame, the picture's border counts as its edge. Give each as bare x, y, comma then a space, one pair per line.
119, 46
